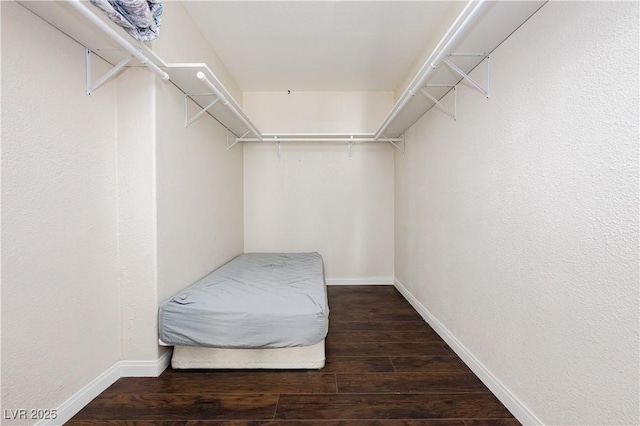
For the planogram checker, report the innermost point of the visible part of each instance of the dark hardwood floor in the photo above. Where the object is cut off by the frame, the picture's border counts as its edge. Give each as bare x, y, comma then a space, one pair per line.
385, 366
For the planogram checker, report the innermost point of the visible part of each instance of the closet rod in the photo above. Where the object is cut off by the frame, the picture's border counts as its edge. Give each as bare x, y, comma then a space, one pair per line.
338, 140
453, 35
318, 135
83, 10
202, 77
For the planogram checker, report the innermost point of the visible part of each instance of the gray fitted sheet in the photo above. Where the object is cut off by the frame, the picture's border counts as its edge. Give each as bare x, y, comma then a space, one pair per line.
257, 300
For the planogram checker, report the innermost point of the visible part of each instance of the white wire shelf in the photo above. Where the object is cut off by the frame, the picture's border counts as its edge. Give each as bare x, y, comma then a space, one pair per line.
479, 29
490, 25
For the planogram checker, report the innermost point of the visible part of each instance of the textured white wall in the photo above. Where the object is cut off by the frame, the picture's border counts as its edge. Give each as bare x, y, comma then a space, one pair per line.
517, 225
200, 201
60, 308
314, 198
454, 9
317, 112
137, 213
180, 41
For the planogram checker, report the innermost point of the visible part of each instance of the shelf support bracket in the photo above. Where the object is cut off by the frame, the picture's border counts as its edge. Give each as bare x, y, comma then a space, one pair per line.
399, 146
350, 147
238, 140
439, 104
91, 87
467, 77
277, 146
187, 120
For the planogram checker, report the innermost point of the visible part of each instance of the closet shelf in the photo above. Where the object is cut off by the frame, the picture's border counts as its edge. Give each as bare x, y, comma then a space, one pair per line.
78, 20
202, 86
481, 27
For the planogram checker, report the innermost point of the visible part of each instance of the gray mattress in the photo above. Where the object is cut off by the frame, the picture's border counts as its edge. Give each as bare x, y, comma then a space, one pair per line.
257, 300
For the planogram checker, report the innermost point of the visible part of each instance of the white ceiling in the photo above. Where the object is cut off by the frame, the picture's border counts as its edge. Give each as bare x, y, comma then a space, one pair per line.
320, 45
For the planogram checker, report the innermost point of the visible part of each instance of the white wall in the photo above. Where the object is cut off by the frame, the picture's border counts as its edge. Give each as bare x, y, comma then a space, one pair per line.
200, 195
316, 198
454, 10
180, 41
317, 112
517, 225
137, 213
59, 227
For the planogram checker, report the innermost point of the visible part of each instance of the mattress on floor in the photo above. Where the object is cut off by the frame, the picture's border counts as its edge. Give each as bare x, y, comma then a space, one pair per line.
257, 300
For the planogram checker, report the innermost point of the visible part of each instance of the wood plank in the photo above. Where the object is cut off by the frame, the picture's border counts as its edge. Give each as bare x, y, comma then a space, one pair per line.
412, 335
371, 312
207, 383
381, 304
384, 348
355, 291
403, 406
336, 325
395, 422
357, 365
343, 298
417, 364
492, 422
346, 303
181, 406
431, 382
87, 422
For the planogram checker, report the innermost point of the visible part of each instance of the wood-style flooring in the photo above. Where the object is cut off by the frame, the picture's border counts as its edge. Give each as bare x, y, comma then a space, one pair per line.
385, 366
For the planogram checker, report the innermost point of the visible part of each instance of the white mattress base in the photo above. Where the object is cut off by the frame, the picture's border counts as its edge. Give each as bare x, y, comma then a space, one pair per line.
307, 357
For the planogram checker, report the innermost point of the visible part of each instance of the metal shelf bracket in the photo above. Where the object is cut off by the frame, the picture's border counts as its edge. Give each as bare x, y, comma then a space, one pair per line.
397, 143
467, 77
439, 104
240, 139
91, 87
187, 120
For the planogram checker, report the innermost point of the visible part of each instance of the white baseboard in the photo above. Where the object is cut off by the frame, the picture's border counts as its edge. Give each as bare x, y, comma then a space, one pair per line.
359, 281
145, 368
84, 396
77, 402
513, 404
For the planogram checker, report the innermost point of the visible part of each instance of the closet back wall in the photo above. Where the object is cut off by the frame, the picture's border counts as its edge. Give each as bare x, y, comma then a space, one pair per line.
314, 197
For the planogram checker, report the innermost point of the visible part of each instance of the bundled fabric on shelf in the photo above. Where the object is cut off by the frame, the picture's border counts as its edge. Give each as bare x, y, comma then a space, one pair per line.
140, 18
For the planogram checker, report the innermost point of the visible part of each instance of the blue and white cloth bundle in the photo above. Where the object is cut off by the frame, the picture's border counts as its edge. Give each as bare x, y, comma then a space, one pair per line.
140, 18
